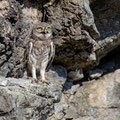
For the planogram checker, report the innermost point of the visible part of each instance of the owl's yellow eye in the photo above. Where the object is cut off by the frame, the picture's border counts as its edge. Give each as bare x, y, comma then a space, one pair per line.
39, 28
48, 28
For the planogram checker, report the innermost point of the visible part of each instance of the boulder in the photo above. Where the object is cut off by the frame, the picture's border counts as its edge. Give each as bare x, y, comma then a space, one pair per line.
20, 99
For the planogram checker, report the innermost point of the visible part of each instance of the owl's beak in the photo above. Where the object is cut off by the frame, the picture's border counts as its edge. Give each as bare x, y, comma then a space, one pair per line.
45, 31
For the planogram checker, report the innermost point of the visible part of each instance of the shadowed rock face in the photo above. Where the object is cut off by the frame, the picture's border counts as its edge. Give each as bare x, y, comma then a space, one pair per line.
74, 30
94, 99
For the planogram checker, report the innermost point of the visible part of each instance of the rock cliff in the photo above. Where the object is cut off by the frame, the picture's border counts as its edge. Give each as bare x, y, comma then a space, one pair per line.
86, 34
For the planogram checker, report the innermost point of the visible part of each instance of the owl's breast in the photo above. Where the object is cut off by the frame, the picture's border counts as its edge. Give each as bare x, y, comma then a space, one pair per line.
39, 52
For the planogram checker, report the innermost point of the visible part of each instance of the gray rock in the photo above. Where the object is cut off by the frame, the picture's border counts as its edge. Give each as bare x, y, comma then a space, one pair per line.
109, 114
74, 32
76, 75
95, 73
94, 100
105, 91
60, 116
109, 66
6, 104
71, 113
88, 20
31, 100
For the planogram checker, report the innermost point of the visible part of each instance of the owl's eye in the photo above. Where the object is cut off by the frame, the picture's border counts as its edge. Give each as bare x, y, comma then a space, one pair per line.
48, 28
39, 28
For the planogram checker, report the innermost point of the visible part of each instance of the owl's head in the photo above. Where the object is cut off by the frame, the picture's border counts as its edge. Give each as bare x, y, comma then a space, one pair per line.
42, 31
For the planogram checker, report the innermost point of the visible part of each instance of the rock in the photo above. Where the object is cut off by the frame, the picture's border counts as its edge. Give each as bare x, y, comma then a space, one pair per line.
105, 92
71, 113
76, 75
74, 89
103, 114
68, 85
88, 20
31, 100
94, 98
60, 116
109, 66
67, 30
4, 5
95, 73
6, 104
105, 22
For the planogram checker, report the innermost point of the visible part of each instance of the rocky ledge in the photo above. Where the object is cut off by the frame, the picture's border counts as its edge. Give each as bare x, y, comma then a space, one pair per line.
92, 100
22, 100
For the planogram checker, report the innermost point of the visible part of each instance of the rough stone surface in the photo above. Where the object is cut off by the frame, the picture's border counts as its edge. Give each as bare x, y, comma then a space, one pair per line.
84, 31
6, 104
94, 100
105, 92
76, 75
22, 100
95, 73
74, 30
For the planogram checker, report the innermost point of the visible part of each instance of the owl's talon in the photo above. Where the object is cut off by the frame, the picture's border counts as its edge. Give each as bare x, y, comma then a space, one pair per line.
33, 80
46, 78
45, 81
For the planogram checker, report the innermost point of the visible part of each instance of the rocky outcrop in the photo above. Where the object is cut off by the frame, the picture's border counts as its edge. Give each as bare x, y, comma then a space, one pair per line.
22, 100
106, 14
74, 32
84, 31
96, 100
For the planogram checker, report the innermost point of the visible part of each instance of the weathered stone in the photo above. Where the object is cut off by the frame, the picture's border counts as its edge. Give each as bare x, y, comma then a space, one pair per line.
74, 88
6, 104
109, 66
73, 45
103, 114
4, 5
105, 92
76, 75
31, 100
60, 116
74, 34
95, 73
71, 113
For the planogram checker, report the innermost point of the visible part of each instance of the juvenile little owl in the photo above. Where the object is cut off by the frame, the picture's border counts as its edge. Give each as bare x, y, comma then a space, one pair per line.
41, 51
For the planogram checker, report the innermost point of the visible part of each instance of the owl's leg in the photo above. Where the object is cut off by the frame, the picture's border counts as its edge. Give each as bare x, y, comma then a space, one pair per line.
34, 74
43, 77
42, 73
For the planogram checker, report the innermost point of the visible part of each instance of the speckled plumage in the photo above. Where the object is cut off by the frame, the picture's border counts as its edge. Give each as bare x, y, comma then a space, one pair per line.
40, 50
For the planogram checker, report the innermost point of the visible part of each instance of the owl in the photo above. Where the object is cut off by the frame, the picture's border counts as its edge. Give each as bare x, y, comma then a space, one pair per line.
40, 51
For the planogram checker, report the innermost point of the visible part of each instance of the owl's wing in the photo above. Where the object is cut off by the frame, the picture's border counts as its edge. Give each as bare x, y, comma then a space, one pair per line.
30, 46
28, 50
51, 56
